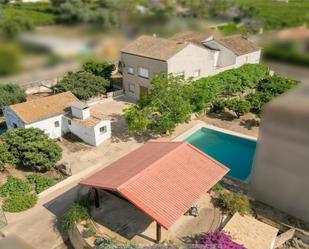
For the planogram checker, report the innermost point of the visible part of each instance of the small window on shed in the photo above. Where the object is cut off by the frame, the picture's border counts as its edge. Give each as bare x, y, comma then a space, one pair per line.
69, 122
103, 130
56, 123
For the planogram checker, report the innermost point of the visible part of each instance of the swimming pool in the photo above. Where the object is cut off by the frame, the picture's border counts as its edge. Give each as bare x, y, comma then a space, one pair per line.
2, 130
235, 152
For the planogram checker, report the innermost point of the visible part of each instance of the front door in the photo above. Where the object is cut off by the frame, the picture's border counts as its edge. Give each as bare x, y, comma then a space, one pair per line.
143, 91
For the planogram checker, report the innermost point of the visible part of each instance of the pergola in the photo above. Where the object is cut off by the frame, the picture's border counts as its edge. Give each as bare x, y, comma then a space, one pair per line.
163, 179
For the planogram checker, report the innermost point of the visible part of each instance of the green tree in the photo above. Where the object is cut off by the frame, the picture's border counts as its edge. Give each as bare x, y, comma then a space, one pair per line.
162, 109
12, 26
11, 94
276, 85
103, 69
83, 85
258, 100
9, 59
239, 106
32, 148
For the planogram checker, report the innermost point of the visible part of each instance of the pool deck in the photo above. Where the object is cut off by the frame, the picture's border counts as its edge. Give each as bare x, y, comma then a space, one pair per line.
197, 127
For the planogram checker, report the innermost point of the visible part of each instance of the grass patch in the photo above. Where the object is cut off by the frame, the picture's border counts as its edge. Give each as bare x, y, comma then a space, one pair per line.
40, 182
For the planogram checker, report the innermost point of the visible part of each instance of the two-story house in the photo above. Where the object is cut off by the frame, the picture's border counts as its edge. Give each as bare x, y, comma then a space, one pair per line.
186, 54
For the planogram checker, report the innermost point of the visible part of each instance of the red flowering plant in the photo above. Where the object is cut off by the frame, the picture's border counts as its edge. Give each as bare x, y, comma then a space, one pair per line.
216, 240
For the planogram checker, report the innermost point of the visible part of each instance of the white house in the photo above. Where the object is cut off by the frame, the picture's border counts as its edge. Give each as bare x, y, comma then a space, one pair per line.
187, 54
57, 115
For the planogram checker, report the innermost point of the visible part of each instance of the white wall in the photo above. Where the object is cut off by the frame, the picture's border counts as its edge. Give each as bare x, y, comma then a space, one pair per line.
226, 57
99, 138
251, 58
192, 58
48, 125
80, 113
12, 118
91, 135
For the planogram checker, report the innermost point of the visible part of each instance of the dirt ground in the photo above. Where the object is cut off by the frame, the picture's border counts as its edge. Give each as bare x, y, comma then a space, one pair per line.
247, 124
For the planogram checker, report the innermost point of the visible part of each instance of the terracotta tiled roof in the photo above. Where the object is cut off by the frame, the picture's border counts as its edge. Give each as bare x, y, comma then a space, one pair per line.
154, 47
250, 232
238, 44
164, 179
42, 108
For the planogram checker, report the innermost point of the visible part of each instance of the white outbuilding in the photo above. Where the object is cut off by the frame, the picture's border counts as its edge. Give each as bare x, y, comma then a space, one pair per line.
59, 114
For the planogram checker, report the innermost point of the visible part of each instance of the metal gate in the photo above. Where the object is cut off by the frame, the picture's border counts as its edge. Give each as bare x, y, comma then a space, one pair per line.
3, 221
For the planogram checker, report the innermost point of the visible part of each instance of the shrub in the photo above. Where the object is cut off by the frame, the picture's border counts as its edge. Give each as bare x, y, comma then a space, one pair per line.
83, 85
32, 148
217, 187
11, 94
113, 243
10, 57
89, 232
14, 186
103, 69
5, 156
276, 85
239, 106
19, 202
77, 213
217, 239
40, 182
231, 203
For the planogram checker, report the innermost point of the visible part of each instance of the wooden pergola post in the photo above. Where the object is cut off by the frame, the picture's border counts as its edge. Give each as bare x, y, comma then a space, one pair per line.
96, 198
158, 233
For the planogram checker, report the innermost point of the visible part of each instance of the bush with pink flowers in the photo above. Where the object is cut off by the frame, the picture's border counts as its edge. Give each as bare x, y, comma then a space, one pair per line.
216, 240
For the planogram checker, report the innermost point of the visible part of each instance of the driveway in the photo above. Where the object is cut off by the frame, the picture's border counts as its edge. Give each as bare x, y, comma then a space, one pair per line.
40, 226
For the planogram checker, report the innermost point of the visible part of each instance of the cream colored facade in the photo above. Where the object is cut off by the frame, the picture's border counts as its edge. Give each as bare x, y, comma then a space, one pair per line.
192, 61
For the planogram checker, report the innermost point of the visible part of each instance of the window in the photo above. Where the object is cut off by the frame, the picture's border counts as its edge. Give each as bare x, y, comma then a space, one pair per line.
130, 70
70, 122
246, 59
180, 74
143, 72
196, 73
56, 124
103, 129
15, 125
131, 88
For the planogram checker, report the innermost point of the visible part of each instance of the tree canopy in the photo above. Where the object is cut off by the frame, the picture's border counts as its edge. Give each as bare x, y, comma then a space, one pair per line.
83, 85
162, 109
11, 94
31, 148
103, 69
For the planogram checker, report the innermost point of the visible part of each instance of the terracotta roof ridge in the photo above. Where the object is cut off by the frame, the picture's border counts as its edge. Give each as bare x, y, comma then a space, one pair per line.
139, 174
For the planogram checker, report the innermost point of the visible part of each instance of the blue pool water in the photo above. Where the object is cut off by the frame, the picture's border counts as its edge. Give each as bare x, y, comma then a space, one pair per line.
234, 152
2, 130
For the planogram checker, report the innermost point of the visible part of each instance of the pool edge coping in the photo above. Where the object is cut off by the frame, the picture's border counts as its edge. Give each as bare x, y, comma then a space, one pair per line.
197, 127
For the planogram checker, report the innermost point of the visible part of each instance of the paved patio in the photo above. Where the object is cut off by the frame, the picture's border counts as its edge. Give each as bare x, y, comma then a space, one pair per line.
118, 217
